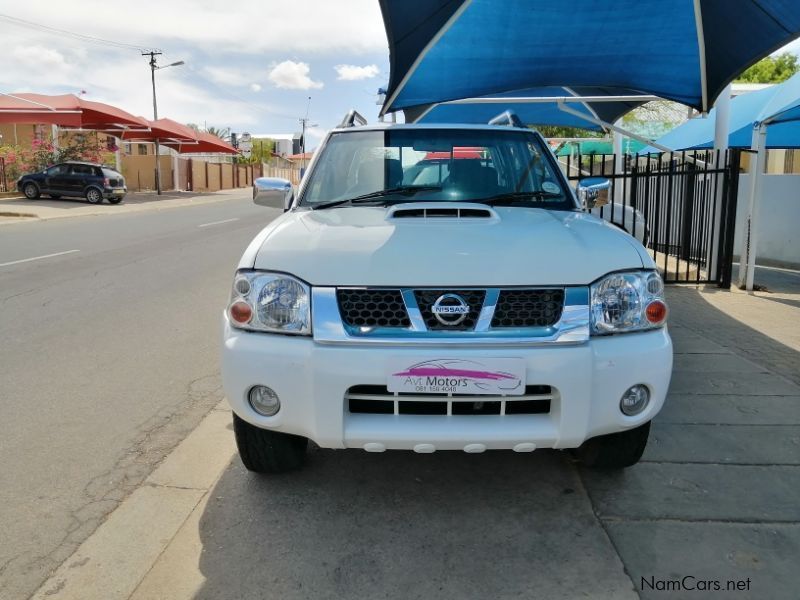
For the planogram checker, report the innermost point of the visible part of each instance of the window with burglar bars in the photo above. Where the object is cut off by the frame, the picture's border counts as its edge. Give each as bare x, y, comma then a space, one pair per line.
680, 205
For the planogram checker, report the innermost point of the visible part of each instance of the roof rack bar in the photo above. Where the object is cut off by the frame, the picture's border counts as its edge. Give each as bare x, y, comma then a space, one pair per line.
509, 118
352, 118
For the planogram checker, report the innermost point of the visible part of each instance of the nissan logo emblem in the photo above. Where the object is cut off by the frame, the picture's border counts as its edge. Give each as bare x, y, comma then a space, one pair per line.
450, 309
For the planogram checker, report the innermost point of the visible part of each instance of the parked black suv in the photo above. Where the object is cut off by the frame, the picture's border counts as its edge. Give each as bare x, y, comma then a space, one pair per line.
75, 179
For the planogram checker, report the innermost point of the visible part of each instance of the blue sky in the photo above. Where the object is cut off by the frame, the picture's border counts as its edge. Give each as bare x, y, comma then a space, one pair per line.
250, 65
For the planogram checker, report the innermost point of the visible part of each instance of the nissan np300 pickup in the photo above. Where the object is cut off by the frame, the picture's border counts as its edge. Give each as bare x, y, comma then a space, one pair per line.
439, 287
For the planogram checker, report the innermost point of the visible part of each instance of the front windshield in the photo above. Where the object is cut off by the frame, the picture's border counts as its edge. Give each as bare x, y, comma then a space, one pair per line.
416, 165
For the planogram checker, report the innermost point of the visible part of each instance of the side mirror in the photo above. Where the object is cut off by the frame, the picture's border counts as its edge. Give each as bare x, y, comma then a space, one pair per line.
593, 191
274, 192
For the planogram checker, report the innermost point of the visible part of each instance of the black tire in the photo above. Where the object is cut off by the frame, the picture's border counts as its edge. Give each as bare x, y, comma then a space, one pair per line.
31, 191
55, 196
115, 200
615, 450
94, 196
264, 451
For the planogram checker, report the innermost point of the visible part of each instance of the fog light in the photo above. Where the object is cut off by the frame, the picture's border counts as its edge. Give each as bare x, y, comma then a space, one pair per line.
634, 400
264, 400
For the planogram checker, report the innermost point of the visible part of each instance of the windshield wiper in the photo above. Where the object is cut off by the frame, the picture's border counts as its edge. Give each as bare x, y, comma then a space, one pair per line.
511, 196
406, 190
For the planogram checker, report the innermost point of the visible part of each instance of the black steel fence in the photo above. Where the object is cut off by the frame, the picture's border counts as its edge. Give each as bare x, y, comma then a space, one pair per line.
680, 205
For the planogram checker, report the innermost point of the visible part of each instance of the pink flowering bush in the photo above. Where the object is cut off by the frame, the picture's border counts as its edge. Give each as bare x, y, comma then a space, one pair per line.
42, 153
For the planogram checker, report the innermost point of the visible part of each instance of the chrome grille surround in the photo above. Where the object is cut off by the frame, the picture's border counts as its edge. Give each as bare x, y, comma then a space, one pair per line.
572, 326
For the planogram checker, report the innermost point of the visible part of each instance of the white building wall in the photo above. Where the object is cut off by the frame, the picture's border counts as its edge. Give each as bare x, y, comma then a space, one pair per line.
778, 219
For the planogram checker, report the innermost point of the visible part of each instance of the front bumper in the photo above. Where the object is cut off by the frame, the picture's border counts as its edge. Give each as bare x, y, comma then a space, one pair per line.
312, 380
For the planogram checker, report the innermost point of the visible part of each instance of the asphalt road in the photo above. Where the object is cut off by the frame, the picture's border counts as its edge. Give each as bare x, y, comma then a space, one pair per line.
108, 351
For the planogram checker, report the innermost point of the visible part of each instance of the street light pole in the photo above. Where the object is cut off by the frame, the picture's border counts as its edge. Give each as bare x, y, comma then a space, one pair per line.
304, 122
153, 67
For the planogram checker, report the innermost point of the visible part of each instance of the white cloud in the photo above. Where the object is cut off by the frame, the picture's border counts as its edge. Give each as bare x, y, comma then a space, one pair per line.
254, 87
317, 26
291, 75
226, 76
38, 56
355, 73
316, 132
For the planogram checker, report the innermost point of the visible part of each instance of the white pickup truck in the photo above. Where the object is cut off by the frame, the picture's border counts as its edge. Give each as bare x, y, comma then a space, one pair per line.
477, 310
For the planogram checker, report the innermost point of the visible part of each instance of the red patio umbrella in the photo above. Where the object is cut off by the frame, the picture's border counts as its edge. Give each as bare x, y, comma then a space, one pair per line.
179, 137
205, 143
163, 130
66, 110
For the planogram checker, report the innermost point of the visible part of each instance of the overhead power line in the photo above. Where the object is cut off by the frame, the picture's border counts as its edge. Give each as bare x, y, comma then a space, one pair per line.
77, 36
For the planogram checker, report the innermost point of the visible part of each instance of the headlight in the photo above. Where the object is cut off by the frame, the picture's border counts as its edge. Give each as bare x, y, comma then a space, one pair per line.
632, 301
273, 302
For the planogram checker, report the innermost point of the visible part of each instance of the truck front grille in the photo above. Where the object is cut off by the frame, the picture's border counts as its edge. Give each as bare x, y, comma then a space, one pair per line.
376, 399
372, 308
369, 308
528, 308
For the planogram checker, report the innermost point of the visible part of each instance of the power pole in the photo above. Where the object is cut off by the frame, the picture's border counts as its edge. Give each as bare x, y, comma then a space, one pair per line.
153, 66
304, 123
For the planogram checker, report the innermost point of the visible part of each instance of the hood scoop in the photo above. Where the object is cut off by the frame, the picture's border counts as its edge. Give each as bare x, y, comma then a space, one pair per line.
427, 211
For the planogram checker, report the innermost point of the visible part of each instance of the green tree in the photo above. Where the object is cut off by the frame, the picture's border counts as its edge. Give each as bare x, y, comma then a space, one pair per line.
557, 131
223, 133
772, 69
261, 151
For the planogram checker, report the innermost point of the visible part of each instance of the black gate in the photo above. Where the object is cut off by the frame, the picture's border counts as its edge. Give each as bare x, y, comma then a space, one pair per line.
680, 205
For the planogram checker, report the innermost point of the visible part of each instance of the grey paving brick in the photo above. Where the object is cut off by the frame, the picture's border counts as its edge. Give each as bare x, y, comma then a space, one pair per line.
697, 492
753, 384
668, 550
738, 444
730, 409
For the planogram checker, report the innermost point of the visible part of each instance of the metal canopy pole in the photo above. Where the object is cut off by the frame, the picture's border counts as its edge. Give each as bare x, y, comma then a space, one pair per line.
616, 142
722, 121
747, 260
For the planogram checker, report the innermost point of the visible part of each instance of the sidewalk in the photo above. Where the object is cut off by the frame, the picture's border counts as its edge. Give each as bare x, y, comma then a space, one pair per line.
715, 499
21, 209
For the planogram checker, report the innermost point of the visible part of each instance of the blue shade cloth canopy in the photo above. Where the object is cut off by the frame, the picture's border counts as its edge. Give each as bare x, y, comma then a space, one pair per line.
778, 102
783, 106
544, 113
681, 50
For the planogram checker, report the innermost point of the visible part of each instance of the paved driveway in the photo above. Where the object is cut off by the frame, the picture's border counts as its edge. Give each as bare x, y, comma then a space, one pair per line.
713, 507
714, 500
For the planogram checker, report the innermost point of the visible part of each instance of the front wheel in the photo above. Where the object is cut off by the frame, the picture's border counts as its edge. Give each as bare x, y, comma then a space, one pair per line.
265, 451
615, 450
31, 191
94, 196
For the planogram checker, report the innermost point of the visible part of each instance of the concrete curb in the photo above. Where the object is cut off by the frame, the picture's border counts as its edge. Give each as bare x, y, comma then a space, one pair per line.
104, 210
6, 213
113, 562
